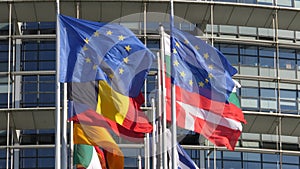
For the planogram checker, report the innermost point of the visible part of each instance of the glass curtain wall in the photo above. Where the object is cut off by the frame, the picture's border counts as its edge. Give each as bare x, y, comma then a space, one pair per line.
33, 63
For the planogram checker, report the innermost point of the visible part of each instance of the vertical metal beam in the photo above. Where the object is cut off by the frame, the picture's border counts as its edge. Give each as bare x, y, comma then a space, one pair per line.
275, 27
8, 84
57, 100
17, 96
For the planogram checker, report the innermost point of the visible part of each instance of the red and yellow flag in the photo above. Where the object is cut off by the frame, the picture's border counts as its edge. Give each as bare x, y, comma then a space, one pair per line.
99, 136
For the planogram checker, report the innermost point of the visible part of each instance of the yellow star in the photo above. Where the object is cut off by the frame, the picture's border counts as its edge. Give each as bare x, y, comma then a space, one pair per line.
177, 44
121, 71
174, 51
85, 48
182, 74
95, 67
186, 41
197, 47
206, 80
201, 84
109, 32
206, 56
111, 76
121, 37
176, 63
125, 60
87, 60
96, 34
191, 82
211, 67
210, 75
86, 40
128, 48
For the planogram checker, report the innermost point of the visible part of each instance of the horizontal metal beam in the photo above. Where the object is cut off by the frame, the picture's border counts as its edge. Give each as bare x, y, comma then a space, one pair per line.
28, 109
271, 114
49, 72
267, 79
243, 149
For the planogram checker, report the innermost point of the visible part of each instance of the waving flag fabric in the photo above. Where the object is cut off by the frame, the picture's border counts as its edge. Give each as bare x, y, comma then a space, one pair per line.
86, 157
183, 160
106, 65
91, 104
96, 51
203, 82
99, 136
200, 68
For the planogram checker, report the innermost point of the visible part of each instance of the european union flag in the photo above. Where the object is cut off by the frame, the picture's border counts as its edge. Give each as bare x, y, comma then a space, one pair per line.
92, 51
200, 68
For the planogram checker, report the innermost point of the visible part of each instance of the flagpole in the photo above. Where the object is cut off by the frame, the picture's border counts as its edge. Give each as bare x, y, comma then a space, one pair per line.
139, 162
212, 44
173, 92
71, 144
159, 128
153, 134
162, 97
64, 155
57, 101
146, 150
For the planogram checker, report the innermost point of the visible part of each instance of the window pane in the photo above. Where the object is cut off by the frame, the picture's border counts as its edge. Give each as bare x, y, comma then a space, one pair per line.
289, 166
46, 162
232, 155
228, 48
46, 152
266, 62
251, 156
232, 164
268, 104
249, 60
270, 157
28, 162
268, 93
288, 94
233, 59
250, 103
251, 165
266, 52
249, 92
270, 165
290, 159
287, 3
288, 107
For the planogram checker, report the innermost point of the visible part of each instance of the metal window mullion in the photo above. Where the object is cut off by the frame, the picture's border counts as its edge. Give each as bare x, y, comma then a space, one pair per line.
8, 86
278, 87
38, 90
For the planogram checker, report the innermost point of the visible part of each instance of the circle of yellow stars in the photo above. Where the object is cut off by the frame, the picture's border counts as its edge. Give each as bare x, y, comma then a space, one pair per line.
183, 74
120, 38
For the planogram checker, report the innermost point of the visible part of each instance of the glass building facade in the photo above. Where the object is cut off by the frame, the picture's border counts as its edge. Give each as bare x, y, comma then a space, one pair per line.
261, 38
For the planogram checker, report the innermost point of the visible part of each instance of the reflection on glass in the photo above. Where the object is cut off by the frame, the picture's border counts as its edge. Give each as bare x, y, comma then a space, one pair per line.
251, 165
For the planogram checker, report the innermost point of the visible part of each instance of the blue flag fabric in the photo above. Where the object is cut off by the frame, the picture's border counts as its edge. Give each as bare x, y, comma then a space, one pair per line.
201, 68
102, 51
182, 159
185, 161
